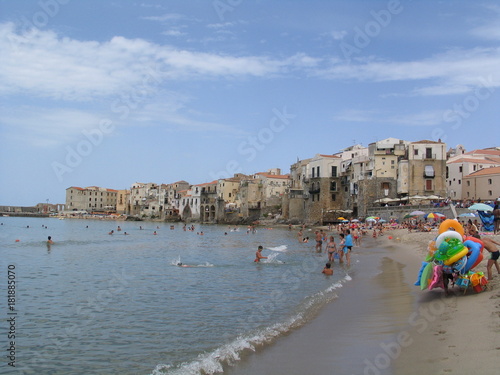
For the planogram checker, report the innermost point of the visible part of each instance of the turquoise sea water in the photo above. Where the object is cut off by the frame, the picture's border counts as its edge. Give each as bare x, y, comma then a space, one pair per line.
94, 303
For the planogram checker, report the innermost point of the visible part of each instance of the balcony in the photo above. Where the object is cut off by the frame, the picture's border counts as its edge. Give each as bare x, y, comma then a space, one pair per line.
314, 191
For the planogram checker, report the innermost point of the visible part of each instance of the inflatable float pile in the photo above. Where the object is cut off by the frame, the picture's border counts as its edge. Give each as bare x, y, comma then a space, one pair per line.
454, 254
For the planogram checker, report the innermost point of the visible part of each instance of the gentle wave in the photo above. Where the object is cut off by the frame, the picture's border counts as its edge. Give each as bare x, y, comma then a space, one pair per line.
229, 354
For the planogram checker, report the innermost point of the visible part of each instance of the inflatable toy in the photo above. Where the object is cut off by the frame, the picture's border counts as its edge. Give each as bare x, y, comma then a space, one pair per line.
451, 224
437, 278
448, 235
417, 283
432, 249
459, 265
449, 249
479, 260
474, 239
474, 250
426, 276
456, 257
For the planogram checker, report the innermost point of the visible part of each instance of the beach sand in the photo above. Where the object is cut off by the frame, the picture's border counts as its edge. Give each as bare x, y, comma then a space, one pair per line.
458, 334
387, 326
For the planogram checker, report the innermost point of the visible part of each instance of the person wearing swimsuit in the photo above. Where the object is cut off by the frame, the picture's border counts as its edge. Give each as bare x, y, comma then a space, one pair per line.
332, 248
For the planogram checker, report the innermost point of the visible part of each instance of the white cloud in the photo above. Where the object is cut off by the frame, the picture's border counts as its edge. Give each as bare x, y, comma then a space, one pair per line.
338, 35
165, 17
46, 65
455, 71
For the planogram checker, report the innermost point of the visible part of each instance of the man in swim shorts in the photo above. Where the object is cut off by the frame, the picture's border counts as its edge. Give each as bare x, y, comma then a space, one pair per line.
489, 244
319, 241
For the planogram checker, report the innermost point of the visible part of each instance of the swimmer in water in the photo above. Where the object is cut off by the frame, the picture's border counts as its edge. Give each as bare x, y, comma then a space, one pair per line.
258, 254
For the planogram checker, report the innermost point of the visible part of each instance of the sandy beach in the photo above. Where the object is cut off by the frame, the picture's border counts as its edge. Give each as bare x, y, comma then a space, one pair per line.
430, 333
458, 334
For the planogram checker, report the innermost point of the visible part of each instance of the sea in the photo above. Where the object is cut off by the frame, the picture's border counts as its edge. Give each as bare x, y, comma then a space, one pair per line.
163, 300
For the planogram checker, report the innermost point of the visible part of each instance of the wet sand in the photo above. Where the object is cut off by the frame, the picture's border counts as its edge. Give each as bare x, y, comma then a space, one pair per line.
382, 324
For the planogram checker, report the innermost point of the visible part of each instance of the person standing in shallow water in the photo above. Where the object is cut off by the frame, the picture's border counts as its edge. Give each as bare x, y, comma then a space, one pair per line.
258, 254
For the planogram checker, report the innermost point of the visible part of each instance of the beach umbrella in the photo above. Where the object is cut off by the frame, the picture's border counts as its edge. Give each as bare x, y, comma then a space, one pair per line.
409, 216
417, 213
467, 214
345, 221
341, 218
355, 220
481, 207
434, 215
382, 221
371, 219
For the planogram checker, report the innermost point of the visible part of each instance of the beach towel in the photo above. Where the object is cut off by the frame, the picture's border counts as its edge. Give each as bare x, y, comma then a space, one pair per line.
487, 220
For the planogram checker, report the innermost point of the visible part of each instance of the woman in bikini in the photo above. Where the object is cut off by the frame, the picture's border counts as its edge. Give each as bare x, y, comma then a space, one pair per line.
332, 248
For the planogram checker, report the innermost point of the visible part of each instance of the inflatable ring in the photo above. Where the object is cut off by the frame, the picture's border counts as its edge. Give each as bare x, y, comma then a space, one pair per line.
456, 257
474, 239
451, 224
475, 251
448, 234
479, 260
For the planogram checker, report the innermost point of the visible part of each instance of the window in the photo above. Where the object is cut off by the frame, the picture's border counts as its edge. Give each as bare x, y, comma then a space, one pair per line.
415, 151
468, 183
312, 173
490, 193
428, 184
333, 185
490, 181
317, 171
334, 171
460, 182
428, 171
428, 153
460, 169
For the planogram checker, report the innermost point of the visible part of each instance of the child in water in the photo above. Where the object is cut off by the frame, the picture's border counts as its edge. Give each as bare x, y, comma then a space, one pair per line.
328, 269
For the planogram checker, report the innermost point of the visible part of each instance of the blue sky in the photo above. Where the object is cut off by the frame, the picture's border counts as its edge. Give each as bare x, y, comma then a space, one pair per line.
108, 93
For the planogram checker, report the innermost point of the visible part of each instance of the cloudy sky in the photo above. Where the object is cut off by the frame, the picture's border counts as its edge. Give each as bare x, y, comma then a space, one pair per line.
108, 93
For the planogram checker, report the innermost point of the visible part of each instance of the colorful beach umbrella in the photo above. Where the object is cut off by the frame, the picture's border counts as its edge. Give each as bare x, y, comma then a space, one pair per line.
409, 216
434, 215
341, 218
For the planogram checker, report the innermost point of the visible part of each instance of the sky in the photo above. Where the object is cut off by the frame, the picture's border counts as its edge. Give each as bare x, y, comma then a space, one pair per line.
109, 93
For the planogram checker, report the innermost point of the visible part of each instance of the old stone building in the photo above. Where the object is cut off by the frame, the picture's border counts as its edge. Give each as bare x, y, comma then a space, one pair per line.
91, 199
